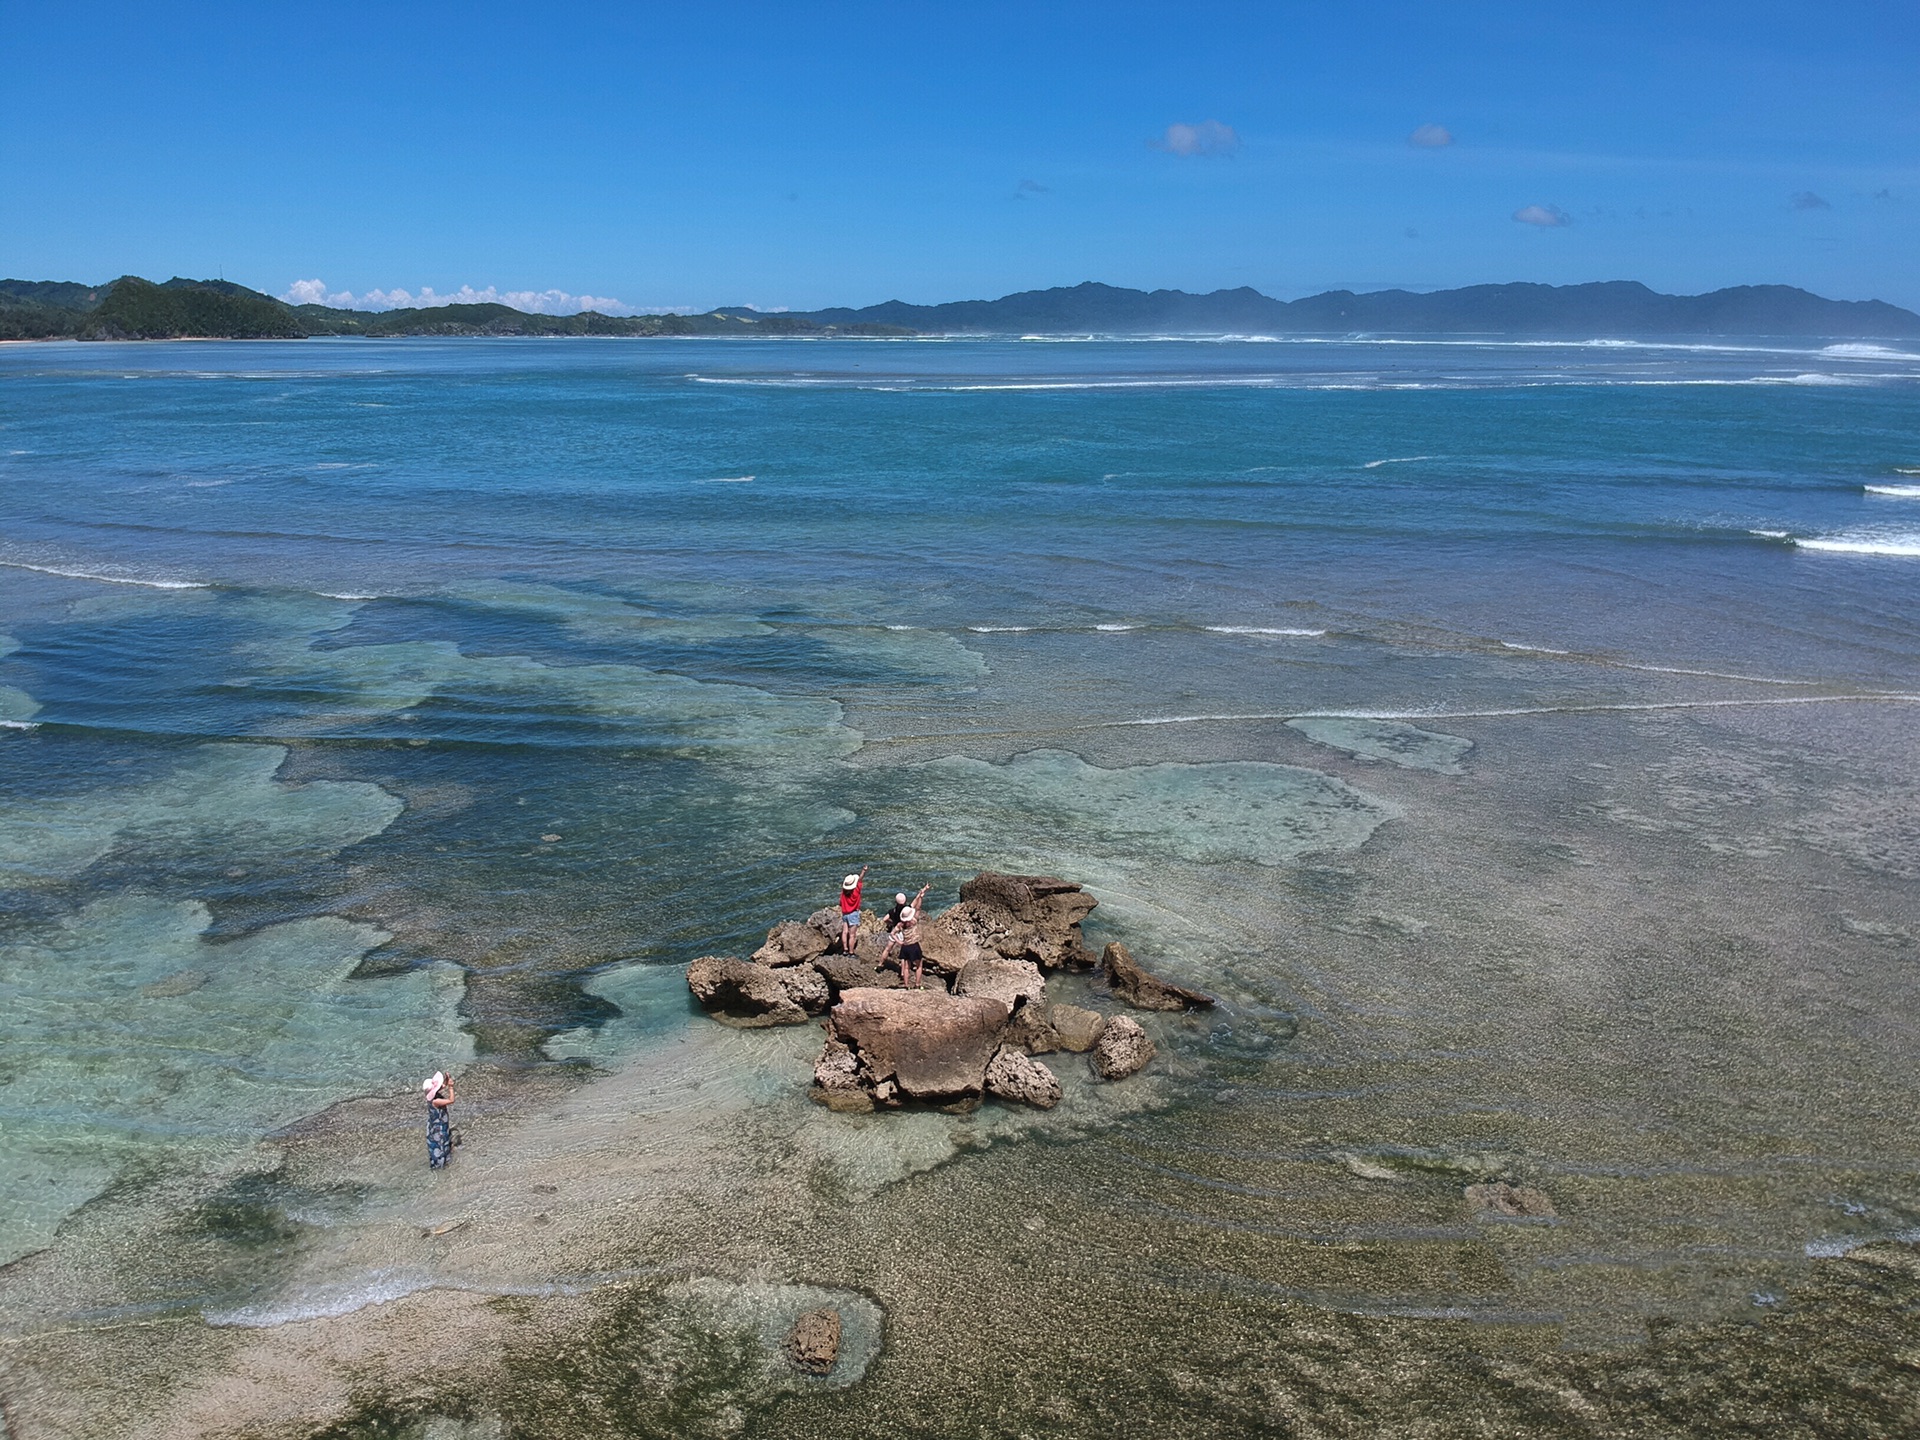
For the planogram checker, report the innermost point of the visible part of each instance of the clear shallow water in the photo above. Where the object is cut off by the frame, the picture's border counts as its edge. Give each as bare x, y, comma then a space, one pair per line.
1448, 708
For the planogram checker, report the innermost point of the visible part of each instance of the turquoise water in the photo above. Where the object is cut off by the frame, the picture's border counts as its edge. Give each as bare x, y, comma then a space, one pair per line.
366, 703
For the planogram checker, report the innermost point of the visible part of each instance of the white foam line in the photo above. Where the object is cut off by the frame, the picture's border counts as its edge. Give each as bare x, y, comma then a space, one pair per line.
106, 579
727, 480
1862, 547
1654, 669
1261, 630
19, 724
380, 1287
1114, 628
999, 629
1902, 492
1881, 696
1394, 460
346, 595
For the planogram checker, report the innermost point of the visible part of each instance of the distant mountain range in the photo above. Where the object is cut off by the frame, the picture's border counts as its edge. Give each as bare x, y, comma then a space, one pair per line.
134, 309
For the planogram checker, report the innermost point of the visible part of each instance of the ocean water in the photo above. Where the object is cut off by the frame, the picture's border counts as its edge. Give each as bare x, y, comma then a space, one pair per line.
1517, 737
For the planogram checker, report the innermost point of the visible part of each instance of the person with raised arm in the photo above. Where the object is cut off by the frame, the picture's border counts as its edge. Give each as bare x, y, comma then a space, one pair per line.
439, 1092
850, 912
907, 936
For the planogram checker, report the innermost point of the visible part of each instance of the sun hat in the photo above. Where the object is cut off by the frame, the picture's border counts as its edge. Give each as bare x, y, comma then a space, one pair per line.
852, 882
909, 913
439, 1079
900, 899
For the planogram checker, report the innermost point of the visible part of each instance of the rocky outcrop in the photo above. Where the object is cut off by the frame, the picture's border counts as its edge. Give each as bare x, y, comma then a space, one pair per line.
741, 993
1122, 1050
1502, 1201
1027, 917
814, 1342
1015, 1075
1143, 991
918, 1044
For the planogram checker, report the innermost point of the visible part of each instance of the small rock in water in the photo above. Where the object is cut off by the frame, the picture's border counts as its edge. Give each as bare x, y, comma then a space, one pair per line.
1014, 1075
549, 838
814, 1342
1124, 1049
1078, 1028
1506, 1201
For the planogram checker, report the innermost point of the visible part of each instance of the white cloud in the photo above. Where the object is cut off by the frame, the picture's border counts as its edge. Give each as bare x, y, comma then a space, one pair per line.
1209, 137
1431, 137
1551, 216
533, 302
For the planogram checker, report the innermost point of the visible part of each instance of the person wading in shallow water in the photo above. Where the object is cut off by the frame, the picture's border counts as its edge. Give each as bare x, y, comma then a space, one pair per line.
439, 1091
907, 936
850, 911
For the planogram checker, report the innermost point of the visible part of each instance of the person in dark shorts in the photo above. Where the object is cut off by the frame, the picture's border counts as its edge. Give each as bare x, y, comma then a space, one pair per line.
906, 934
850, 911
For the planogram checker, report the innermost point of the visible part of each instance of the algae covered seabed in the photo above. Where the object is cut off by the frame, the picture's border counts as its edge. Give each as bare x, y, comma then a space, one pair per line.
370, 711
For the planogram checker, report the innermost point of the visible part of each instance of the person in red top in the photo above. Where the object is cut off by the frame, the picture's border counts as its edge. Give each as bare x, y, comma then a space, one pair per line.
850, 911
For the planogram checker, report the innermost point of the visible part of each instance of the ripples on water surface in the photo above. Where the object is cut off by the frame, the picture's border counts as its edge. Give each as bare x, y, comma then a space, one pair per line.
1517, 738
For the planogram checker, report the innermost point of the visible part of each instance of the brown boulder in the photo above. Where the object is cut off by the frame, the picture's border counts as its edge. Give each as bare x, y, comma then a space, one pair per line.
1077, 1028
741, 993
1124, 1048
851, 972
1499, 1200
930, 1044
814, 1342
1014, 982
1144, 991
837, 1081
791, 942
1014, 1075
1031, 1028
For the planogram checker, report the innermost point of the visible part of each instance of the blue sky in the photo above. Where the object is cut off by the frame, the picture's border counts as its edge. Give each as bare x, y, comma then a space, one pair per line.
801, 155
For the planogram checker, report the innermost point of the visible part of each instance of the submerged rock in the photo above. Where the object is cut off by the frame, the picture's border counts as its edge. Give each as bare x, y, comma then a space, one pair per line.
1078, 1028
931, 1045
1015, 1075
814, 1342
750, 996
1123, 1049
1498, 1199
1144, 991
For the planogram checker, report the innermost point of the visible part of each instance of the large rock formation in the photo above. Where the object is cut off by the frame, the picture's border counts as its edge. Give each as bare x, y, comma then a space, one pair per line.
887, 1045
1144, 991
918, 1044
741, 993
1124, 1048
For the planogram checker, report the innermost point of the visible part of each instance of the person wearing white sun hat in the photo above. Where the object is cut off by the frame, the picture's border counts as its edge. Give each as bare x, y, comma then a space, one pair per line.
906, 934
850, 911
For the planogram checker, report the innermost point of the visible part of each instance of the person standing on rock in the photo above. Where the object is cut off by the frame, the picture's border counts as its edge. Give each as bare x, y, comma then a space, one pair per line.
439, 1092
893, 912
850, 912
907, 936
